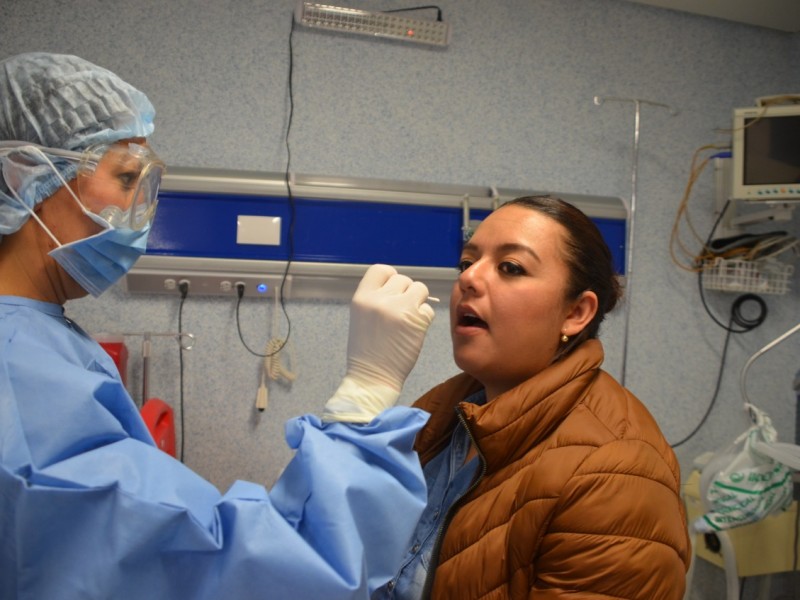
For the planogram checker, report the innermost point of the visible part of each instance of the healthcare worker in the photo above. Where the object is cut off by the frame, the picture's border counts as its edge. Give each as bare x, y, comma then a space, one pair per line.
89, 506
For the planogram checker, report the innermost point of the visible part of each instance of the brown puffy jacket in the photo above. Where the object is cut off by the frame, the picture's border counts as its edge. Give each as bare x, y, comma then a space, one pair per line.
579, 496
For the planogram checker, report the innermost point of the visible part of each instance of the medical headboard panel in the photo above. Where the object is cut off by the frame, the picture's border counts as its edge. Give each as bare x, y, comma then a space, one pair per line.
340, 226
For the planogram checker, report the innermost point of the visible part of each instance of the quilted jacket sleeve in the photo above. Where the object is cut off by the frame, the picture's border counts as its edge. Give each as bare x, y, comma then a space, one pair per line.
618, 529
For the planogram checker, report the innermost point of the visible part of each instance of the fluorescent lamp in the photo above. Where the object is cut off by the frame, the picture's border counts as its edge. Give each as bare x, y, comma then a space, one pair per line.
378, 24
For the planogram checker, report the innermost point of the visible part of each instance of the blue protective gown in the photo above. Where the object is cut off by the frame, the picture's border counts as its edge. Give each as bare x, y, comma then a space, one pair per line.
91, 508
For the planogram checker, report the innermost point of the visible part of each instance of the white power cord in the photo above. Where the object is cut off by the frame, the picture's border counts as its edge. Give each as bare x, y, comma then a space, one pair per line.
273, 367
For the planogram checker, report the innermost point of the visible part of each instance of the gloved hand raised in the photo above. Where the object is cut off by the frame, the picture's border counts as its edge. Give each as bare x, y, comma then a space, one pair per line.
388, 322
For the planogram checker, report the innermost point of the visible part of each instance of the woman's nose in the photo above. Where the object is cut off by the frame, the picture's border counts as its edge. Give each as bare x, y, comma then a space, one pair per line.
472, 278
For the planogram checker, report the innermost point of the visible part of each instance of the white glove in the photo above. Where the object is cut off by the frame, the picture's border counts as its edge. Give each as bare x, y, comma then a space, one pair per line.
388, 322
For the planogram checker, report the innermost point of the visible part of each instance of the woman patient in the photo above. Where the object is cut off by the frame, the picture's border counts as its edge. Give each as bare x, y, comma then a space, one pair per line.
546, 478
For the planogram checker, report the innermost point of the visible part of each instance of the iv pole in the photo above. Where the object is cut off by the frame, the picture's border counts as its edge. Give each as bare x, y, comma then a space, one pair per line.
598, 100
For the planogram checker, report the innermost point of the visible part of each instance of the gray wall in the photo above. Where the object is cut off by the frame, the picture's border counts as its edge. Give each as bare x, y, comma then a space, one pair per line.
508, 103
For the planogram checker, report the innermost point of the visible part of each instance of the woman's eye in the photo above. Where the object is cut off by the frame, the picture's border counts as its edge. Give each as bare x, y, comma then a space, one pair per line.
127, 179
463, 265
511, 268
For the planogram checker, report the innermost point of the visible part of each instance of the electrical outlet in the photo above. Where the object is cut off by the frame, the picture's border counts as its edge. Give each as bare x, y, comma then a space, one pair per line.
211, 284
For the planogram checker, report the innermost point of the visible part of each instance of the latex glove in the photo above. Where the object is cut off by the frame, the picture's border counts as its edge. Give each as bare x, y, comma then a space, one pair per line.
389, 318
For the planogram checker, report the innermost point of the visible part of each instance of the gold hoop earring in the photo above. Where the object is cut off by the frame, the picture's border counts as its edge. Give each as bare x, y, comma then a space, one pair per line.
564, 338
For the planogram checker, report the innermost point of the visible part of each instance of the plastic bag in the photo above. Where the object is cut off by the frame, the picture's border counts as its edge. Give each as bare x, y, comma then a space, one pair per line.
749, 480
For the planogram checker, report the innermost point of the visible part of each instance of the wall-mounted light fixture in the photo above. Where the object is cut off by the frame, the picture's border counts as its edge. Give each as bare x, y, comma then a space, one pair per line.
378, 24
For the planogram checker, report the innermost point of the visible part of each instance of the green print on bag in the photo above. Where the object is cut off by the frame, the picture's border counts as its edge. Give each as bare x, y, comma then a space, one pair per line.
748, 480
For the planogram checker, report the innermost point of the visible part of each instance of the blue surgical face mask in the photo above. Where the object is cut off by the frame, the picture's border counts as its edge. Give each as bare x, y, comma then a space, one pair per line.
100, 260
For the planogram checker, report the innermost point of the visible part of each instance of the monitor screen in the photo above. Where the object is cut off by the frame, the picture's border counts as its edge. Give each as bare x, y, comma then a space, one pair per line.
772, 150
766, 153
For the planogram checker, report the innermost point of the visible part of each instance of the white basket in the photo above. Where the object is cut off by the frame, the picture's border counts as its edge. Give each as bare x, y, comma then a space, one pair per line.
757, 276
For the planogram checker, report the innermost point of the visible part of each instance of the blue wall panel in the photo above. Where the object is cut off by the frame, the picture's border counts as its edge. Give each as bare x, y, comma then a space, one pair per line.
331, 231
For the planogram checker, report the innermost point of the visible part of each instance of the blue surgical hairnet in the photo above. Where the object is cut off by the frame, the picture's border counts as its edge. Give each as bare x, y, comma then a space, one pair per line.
59, 101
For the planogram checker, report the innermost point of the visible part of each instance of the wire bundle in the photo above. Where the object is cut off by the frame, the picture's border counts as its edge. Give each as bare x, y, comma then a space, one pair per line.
696, 259
738, 263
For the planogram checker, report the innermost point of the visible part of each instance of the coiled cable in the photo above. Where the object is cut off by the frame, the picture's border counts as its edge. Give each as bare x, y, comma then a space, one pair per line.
738, 318
746, 324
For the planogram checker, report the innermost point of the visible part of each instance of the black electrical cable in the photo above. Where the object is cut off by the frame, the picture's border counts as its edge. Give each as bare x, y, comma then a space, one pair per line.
713, 397
736, 318
436, 8
745, 324
700, 272
289, 195
183, 286
292, 215
240, 293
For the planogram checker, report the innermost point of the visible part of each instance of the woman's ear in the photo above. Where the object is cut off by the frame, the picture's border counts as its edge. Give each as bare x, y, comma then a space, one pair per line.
581, 314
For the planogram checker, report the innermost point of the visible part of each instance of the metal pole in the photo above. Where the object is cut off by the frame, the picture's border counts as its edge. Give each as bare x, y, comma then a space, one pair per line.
598, 100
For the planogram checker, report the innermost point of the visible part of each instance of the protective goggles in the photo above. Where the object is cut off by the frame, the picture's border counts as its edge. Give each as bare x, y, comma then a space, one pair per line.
118, 182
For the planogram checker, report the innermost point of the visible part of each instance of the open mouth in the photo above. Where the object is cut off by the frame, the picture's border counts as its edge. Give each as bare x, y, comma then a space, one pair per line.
471, 320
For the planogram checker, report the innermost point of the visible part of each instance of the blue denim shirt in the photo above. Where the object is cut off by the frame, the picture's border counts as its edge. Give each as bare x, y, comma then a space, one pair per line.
448, 478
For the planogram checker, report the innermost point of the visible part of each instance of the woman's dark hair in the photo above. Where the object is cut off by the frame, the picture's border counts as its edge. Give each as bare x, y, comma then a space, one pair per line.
588, 259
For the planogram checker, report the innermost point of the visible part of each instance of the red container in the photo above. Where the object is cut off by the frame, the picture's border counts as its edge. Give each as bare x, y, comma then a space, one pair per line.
115, 346
160, 421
